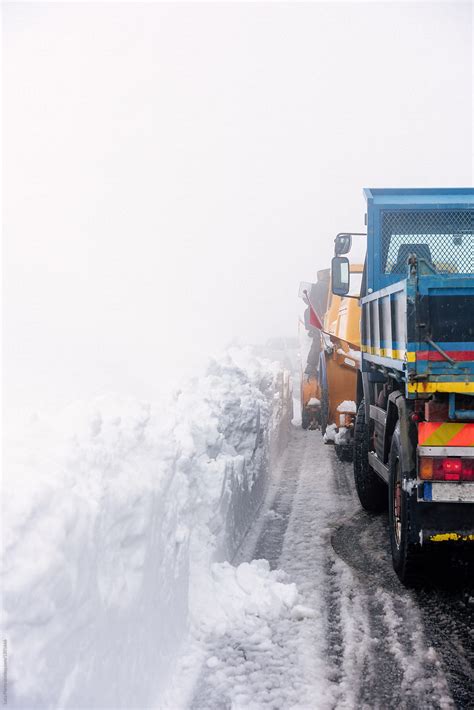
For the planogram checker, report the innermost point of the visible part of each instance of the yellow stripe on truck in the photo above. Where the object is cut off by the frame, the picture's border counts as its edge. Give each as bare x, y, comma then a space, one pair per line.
429, 387
383, 352
457, 537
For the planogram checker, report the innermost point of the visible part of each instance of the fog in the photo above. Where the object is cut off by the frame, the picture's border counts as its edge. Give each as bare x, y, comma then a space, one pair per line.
172, 171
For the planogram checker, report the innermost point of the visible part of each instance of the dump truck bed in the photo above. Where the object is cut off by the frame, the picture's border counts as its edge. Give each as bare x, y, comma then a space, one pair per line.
423, 327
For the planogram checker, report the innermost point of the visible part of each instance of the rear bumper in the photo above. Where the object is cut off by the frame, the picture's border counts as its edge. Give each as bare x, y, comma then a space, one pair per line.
436, 489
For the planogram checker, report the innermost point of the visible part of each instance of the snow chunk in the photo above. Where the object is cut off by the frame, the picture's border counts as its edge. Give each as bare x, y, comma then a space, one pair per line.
353, 354
314, 402
302, 612
342, 436
347, 407
235, 592
330, 434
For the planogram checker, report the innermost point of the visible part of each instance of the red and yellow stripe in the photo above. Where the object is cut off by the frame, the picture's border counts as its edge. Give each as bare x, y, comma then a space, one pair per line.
434, 356
445, 434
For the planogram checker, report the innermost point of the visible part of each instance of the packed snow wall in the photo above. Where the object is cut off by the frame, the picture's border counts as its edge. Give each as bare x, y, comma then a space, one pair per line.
114, 511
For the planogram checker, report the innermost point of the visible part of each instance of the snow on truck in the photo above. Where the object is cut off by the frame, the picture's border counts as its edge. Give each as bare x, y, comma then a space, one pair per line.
414, 431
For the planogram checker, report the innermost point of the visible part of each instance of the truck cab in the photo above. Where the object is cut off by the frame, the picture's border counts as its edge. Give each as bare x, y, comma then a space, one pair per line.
414, 432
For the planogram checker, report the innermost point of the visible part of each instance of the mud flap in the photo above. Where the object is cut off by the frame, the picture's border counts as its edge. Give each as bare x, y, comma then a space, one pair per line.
446, 523
408, 442
415, 528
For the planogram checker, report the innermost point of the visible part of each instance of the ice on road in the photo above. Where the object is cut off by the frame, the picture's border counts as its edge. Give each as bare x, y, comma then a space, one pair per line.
353, 637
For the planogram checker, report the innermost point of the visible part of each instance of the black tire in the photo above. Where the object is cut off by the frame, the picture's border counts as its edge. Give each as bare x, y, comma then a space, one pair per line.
344, 452
371, 490
406, 557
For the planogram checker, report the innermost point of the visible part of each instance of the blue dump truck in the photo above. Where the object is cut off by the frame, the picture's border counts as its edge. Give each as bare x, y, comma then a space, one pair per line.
414, 430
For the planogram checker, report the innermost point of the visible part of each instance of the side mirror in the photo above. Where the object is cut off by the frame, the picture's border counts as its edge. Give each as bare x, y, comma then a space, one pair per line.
342, 244
340, 275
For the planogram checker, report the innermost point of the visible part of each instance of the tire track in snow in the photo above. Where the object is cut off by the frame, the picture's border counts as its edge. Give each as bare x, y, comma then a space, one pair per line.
370, 667
277, 515
441, 611
334, 636
255, 666
365, 646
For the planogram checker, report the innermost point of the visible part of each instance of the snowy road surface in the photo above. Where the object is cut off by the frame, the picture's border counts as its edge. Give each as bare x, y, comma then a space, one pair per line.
357, 638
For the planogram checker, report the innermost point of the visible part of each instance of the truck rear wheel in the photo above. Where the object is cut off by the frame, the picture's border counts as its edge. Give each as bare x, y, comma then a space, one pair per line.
370, 489
406, 556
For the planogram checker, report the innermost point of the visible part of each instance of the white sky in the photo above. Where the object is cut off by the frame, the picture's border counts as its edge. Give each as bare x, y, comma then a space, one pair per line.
172, 171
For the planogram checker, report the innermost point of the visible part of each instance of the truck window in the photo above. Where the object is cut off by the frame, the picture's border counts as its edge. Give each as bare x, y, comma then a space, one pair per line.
445, 239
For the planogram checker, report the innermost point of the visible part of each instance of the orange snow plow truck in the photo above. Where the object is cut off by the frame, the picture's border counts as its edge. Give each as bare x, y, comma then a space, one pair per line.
329, 368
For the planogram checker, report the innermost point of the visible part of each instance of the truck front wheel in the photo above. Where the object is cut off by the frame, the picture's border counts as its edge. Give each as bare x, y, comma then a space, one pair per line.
370, 489
406, 556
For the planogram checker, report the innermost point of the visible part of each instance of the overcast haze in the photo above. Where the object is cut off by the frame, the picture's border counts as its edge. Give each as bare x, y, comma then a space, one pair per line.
172, 171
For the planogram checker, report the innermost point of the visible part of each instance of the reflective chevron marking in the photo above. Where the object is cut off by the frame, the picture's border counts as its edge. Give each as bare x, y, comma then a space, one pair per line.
445, 434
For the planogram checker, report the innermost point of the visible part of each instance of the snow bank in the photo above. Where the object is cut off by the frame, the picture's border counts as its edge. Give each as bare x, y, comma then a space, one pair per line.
114, 513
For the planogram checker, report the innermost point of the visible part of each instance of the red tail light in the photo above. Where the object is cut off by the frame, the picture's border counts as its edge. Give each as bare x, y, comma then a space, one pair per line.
450, 469
446, 469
